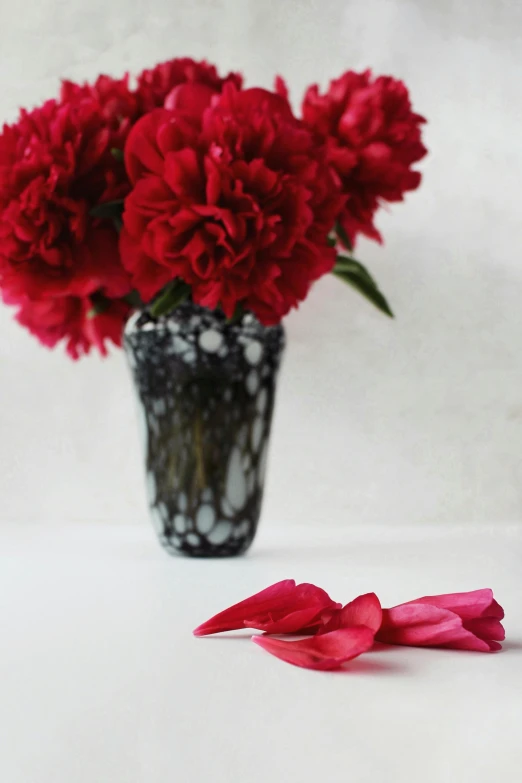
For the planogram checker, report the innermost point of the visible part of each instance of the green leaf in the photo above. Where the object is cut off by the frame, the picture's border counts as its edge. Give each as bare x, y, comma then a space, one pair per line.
118, 223
117, 153
348, 264
169, 298
343, 236
110, 209
238, 314
352, 272
100, 304
133, 299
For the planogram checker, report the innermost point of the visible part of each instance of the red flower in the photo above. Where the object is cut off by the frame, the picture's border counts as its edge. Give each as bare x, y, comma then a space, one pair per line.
281, 608
70, 318
165, 81
325, 652
463, 621
53, 318
106, 325
372, 138
238, 206
118, 105
55, 165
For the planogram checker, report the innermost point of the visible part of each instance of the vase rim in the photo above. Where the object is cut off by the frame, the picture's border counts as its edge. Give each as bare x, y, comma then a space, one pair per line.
197, 318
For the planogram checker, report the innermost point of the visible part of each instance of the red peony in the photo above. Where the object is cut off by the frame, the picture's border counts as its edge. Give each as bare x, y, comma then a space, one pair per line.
163, 86
56, 164
372, 138
224, 190
238, 205
71, 319
116, 102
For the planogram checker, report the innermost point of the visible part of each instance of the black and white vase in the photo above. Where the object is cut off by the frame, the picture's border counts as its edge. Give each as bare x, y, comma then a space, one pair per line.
206, 392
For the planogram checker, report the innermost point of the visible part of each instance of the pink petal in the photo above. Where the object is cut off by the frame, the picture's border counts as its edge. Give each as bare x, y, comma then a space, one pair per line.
291, 623
468, 641
233, 618
475, 603
495, 610
364, 610
328, 651
423, 625
486, 628
283, 607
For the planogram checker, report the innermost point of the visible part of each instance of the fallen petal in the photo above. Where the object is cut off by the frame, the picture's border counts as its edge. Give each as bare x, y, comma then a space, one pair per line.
295, 622
328, 651
464, 621
364, 610
474, 603
422, 625
233, 618
487, 628
281, 608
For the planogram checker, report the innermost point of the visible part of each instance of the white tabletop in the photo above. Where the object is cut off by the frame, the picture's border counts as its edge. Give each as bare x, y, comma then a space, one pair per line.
102, 681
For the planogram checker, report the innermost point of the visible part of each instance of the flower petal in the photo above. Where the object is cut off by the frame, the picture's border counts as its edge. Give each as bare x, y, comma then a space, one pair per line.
364, 610
295, 622
233, 618
423, 625
328, 651
281, 608
486, 628
475, 603
142, 155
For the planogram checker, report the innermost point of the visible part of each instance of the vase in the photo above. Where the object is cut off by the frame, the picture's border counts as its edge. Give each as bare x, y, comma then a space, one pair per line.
205, 389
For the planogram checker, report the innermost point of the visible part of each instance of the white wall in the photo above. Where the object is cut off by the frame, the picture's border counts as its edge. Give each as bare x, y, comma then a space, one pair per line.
413, 421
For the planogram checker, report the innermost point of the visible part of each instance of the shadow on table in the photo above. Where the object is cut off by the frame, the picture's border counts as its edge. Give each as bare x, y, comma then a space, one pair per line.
512, 644
368, 665
372, 667
229, 636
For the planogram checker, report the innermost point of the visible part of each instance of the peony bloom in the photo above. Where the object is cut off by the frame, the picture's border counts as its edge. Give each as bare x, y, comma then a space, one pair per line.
281, 608
116, 102
163, 86
237, 204
462, 621
372, 138
106, 326
56, 165
70, 319
325, 652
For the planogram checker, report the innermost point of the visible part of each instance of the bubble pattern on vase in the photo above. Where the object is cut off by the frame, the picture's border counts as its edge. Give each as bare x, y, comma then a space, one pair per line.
206, 395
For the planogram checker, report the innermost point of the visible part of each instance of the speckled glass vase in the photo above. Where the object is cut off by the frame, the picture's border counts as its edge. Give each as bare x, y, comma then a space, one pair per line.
205, 394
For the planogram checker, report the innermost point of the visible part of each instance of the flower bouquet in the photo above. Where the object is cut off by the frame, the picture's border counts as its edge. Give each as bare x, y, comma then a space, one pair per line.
185, 216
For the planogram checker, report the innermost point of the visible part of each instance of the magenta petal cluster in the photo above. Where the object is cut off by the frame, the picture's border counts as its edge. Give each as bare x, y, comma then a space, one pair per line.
336, 634
462, 621
284, 607
328, 651
364, 610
